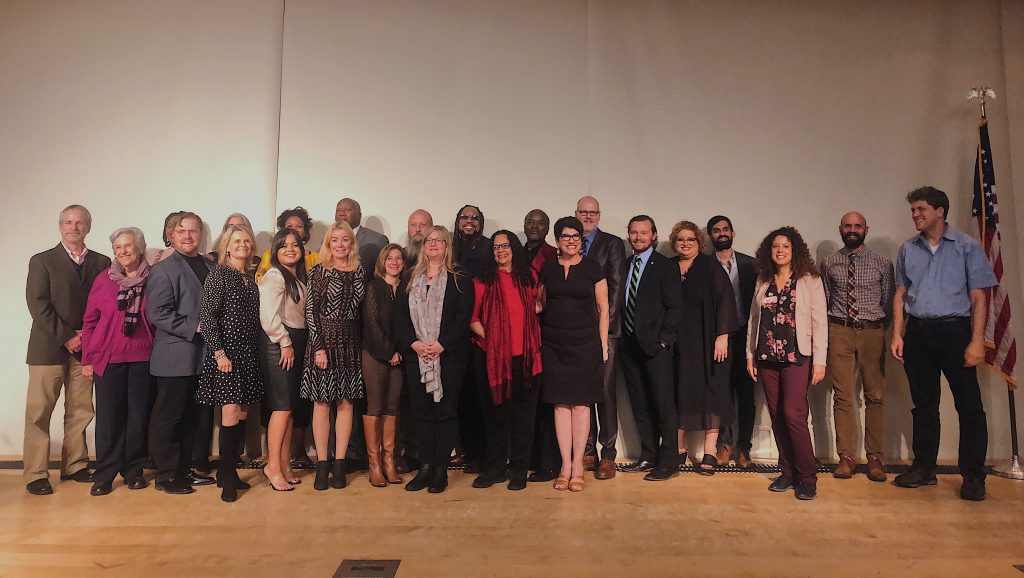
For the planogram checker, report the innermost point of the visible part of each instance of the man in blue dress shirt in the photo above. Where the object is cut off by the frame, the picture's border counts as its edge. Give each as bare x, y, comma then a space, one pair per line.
941, 277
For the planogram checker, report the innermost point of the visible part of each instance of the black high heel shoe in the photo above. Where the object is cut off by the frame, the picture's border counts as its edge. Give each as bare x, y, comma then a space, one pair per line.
708, 465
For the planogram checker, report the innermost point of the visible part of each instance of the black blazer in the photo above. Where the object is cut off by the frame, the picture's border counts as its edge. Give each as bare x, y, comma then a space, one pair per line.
610, 252
56, 297
455, 316
174, 297
748, 279
659, 303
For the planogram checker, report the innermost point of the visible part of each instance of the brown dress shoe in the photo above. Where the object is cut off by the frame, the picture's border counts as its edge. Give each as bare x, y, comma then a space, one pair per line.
605, 470
589, 463
845, 469
743, 460
876, 471
724, 455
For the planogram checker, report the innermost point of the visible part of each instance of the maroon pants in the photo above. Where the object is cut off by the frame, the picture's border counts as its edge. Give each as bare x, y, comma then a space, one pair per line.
785, 390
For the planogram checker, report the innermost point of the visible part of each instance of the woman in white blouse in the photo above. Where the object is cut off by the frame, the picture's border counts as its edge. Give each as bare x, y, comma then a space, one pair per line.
282, 349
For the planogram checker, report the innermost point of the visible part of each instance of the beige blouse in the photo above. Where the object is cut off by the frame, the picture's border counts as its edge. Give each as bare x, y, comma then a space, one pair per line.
278, 310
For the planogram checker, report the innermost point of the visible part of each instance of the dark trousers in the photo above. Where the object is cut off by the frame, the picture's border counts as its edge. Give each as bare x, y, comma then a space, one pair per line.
435, 424
545, 455
122, 420
172, 426
652, 394
202, 432
739, 434
472, 437
785, 390
931, 347
509, 425
604, 417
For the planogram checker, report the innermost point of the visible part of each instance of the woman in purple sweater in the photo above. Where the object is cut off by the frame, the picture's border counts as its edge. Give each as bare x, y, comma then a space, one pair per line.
116, 343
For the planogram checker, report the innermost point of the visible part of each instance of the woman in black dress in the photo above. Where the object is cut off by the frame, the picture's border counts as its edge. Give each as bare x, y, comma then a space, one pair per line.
431, 323
333, 371
282, 347
703, 391
229, 322
574, 345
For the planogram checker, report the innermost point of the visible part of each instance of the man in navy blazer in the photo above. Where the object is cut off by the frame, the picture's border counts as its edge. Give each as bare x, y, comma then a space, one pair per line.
174, 294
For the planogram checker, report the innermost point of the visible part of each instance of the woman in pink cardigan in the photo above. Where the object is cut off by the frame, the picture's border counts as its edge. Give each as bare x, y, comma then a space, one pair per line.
787, 340
116, 343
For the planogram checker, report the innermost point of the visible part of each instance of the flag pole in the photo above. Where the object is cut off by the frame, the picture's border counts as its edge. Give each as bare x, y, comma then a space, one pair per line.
1011, 469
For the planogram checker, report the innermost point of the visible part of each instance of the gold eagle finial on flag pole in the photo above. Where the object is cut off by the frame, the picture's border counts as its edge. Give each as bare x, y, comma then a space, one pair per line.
981, 93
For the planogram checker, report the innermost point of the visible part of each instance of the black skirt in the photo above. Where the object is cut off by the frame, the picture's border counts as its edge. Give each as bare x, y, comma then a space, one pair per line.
281, 388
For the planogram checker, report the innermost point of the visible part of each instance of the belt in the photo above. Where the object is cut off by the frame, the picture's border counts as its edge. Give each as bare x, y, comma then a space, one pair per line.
939, 320
859, 324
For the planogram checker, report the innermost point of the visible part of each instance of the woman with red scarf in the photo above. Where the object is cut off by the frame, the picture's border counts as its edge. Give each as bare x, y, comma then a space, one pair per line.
506, 358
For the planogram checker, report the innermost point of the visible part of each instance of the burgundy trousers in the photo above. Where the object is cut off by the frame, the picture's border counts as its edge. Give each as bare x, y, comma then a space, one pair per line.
785, 390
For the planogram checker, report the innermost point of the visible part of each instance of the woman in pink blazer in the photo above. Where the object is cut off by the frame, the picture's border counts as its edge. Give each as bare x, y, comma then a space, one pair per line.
787, 340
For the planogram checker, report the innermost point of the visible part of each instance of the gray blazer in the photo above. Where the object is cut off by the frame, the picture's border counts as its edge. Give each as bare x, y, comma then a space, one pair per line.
174, 296
370, 243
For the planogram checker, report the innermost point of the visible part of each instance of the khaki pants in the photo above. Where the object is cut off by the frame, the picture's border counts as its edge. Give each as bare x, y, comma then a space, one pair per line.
44, 385
849, 351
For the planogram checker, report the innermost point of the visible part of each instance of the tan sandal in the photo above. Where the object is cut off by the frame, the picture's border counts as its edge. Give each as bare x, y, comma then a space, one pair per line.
576, 485
561, 483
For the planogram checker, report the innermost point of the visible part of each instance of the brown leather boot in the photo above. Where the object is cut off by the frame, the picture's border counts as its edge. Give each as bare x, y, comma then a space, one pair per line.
372, 431
388, 424
845, 469
724, 455
876, 471
743, 460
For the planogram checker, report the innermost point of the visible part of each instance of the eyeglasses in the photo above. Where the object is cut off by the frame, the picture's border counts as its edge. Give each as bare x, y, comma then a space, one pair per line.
465, 217
501, 246
587, 213
567, 238
433, 241
686, 240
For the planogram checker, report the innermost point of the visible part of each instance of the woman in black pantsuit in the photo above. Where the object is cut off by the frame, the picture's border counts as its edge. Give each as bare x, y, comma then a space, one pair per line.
431, 323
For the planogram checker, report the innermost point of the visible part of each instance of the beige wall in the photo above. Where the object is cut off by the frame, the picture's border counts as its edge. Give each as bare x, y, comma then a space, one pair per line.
774, 113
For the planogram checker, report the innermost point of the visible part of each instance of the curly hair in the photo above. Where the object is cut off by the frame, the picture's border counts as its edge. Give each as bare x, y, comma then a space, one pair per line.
702, 239
802, 265
302, 214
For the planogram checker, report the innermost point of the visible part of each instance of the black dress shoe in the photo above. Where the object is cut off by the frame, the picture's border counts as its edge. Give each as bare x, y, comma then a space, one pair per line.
972, 490
203, 466
136, 483
488, 479
915, 479
806, 491
661, 474
174, 487
101, 489
517, 481
82, 476
440, 481
39, 487
641, 466
196, 479
781, 484
542, 476
421, 480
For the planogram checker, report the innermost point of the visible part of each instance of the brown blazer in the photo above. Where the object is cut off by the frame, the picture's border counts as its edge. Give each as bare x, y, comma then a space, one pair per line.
811, 319
56, 298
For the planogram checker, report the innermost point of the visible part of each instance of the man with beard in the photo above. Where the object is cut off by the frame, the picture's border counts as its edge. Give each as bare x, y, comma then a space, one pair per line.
536, 226
859, 288
419, 221
740, 268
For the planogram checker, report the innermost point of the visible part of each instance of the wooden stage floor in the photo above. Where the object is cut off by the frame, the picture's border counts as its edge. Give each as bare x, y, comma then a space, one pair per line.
725, 525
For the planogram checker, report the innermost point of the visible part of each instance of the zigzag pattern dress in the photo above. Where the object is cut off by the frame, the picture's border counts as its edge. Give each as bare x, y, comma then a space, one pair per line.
334, 305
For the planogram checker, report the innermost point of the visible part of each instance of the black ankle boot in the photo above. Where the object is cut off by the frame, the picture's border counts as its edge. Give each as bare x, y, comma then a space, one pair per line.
338, 480
439, 481
322, 471
422, 479
226, 474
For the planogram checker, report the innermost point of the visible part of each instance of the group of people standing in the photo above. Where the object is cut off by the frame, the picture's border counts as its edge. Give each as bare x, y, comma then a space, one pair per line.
500, 352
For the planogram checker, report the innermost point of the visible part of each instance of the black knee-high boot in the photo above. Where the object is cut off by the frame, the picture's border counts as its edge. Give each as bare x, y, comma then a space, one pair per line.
230, 436
233, 473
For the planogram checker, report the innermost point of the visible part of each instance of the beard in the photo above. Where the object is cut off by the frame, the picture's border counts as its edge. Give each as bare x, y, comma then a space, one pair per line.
853, 240
412, 251
721, 243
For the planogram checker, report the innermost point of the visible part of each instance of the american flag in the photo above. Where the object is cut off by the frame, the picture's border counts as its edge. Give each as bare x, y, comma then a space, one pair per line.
1002, 347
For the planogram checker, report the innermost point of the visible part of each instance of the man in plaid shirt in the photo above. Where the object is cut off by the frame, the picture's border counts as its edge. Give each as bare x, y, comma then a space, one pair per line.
859, 288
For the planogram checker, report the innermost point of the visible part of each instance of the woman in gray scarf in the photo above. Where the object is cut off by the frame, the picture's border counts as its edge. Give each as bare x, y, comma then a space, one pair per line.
431, 326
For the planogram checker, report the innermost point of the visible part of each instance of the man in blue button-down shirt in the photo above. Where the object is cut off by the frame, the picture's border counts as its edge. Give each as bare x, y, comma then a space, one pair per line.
941, 277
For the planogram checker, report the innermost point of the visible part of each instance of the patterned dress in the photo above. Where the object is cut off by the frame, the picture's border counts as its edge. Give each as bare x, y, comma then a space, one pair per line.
334, 305
230, 320
776, 341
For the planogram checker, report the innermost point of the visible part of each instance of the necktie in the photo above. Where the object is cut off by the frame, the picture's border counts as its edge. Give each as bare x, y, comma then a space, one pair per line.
851, 290
630, 313
586, 246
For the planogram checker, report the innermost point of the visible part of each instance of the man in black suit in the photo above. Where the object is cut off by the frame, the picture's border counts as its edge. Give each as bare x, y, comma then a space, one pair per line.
58, 287
174, 294
652, 307
610, 253
741, 272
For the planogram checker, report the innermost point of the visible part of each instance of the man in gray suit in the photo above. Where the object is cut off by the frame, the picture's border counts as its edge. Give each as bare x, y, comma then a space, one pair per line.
58, 287
174, 295
370, 242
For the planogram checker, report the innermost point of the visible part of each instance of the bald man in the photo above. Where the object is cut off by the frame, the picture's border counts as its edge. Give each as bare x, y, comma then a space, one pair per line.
416, 228
610, 253
859, 287
370, 242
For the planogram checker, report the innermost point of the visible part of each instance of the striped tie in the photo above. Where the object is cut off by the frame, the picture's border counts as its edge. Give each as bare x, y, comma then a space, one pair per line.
630, 314
851, 290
